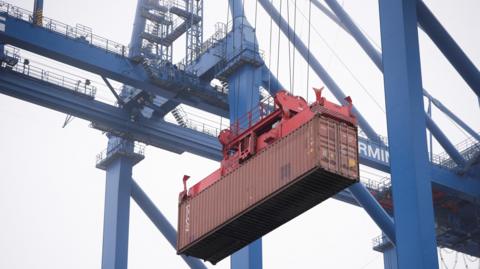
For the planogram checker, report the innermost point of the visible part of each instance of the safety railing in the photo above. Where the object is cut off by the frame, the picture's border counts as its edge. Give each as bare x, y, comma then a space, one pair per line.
206, 126
80, 32
262, 110
80, 85
202, 127
468, 148
382, 139
218, 36
379, 241
122, 146
378, 185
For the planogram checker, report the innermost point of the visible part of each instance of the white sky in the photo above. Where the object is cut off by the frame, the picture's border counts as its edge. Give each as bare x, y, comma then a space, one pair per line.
51, 195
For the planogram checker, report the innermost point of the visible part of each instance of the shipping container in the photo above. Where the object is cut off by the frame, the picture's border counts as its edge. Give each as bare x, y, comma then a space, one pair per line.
295, 173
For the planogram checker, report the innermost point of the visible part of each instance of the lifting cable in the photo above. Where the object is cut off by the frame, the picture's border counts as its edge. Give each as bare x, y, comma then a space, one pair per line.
256, 49
278, 43
294, 44
270, 55
341, 62
308, 47
289, 48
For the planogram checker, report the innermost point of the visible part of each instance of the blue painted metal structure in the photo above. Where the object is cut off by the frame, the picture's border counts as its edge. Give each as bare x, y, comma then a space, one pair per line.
242, 68
243, 75
118, 163
412, 191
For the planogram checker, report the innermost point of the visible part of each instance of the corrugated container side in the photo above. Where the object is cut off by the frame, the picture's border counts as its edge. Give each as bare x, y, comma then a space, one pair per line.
322, 142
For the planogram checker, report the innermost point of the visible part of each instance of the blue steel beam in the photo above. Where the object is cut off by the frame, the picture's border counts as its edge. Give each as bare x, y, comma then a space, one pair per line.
83, 55
316, 66
376, 57
109, 118
175, 138
411, 186
161, 222
447, 45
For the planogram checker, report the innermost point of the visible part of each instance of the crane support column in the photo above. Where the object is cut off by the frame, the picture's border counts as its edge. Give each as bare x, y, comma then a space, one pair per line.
243, 95
411, 187
161, 222
138, 28
383, 245
117, 160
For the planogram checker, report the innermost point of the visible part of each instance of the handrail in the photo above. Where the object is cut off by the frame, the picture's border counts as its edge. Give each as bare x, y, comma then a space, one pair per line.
23, 66
80, 32
468, 148
121, 146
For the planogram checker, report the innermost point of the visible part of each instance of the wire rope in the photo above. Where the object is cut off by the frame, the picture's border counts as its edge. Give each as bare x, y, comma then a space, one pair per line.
294, 44
342, 62
308, 47
270, 55
289, 48
278, 42
256, 50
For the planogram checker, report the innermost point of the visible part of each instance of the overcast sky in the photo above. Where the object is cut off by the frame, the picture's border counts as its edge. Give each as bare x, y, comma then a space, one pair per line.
52, 196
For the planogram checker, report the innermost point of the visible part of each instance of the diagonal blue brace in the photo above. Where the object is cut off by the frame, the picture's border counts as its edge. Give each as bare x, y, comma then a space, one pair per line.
411, 186
446, 144
452, 116
447, 45
374, 210
161, 222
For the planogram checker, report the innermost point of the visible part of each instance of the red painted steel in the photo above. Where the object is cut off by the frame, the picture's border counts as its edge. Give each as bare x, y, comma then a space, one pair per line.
273, 170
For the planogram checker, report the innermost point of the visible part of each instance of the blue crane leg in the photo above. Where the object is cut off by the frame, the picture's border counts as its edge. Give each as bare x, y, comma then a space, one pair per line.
118, 187
411, 186
117, 211
390, 258
249, 257
243, 96
447, 45
139, 23
161, 222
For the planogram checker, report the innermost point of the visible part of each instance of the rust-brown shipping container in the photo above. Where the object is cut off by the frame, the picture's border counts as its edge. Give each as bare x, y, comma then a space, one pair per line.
297, 172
